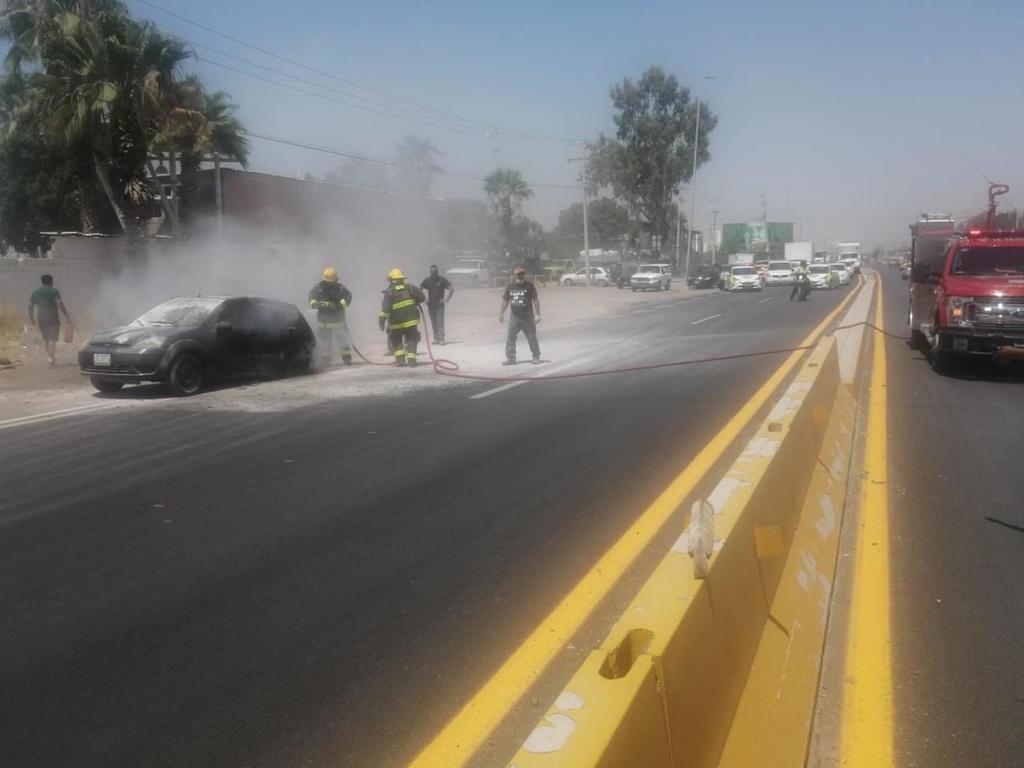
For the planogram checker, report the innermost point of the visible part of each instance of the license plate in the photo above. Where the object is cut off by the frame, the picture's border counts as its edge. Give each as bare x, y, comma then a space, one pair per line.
100, 359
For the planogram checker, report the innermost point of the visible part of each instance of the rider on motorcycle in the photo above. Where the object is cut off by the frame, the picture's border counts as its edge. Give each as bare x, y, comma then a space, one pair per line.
799, 279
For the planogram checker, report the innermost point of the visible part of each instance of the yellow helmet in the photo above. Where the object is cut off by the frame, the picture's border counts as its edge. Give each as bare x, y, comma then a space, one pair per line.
396, 274
330, 275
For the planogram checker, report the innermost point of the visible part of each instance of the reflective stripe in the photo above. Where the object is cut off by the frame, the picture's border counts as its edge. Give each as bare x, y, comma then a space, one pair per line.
385, 314
400, 326
403, 304
411, 355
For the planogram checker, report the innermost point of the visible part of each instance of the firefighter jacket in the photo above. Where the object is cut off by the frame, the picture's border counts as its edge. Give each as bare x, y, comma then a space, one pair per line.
400, 308
329, 300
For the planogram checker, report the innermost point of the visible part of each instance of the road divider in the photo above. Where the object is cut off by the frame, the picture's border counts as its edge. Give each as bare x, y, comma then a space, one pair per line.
723, 670
470, 727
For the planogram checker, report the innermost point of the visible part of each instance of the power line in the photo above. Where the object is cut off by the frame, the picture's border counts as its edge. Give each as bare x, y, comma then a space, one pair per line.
405, 115
334, 99
366, 158
481, 126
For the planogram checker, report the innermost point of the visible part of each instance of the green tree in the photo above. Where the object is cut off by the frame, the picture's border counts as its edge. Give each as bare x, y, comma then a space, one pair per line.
651, 155
507, 190
608, 221
104, 88
417, 165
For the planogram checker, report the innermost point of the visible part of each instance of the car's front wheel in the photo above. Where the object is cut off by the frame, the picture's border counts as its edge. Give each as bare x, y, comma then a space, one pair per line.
568, 282
106, 387
187, 375
939, 357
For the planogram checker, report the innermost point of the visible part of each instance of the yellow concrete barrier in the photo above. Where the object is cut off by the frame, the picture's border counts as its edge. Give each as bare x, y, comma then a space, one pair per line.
732, 658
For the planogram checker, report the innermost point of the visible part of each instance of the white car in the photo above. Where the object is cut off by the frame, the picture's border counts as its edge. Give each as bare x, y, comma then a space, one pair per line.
598, 276
651, 277
744, 278
852, 264
472, 271
821, 276
779, 273
842, 272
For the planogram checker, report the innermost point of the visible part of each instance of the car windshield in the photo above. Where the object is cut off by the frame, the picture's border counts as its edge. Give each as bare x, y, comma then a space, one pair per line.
839, 267
780, 266
819, 269
1004, 260
743, 271
181, 313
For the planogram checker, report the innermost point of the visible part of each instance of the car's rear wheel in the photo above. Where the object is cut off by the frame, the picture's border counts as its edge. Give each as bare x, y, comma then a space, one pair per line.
568, 281
187, 375
106, 387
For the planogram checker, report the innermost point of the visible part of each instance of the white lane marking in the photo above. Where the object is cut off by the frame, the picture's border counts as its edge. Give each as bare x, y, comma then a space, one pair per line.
497, 390
35, 418
705, 319
762, 301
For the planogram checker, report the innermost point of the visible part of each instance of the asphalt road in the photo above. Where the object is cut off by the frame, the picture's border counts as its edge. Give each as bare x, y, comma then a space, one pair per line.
326, 586
957, 556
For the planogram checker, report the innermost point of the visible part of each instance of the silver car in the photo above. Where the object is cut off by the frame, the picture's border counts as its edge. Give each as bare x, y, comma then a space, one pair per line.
651, 277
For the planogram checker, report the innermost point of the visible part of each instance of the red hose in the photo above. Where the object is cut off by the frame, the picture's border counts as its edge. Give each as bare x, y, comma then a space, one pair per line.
444, 367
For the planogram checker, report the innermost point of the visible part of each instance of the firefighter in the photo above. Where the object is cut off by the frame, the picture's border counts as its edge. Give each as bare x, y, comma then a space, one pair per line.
400, 311
330, 298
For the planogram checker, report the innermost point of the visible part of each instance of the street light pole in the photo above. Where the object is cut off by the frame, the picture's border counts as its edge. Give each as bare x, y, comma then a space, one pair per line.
586, 225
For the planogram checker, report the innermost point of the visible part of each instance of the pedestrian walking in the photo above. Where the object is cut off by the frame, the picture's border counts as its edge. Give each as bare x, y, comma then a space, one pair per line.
439, 292
330, 298
400, 312
44, 309
521, 297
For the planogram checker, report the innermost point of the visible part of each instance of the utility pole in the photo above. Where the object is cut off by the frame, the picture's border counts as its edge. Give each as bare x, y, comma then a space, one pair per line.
679, 224
714, 236
586, 225
693, 187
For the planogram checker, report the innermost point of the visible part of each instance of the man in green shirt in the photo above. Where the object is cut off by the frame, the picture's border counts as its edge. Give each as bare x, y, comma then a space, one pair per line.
43, 308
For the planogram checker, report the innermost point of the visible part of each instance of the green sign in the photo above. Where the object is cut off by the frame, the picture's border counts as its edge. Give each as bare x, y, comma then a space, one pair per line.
755, 236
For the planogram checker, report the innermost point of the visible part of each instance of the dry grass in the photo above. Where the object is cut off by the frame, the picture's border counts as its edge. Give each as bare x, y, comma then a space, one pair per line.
10, 328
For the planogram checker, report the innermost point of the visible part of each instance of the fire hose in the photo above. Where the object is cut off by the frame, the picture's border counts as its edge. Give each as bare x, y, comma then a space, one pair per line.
444, 367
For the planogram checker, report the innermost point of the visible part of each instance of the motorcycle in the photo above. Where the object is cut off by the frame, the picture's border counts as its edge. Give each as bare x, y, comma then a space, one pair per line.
803, 287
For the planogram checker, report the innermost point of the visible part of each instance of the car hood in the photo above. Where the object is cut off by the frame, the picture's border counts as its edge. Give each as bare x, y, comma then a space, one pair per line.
995, 285
128, 335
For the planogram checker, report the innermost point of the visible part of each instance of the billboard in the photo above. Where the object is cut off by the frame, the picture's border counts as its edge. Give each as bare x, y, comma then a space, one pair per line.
755, 236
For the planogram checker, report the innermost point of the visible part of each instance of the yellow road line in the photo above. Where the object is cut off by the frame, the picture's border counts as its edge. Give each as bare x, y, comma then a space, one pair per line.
867, 721
465, 732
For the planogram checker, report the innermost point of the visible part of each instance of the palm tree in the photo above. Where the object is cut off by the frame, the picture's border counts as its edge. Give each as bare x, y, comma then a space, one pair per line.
417, 162
104, 87
506, 189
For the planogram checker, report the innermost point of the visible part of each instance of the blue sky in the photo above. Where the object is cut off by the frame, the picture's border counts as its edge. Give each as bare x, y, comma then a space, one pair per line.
849, 117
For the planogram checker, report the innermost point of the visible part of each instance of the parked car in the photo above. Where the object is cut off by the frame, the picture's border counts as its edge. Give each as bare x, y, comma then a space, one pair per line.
779, 273
651, 277
841, 271
744, 277
556, 269
187, 341
598, 276
705, 277
822, 277
469, 272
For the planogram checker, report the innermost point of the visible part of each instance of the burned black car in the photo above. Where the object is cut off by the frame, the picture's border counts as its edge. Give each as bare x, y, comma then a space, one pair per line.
187, 341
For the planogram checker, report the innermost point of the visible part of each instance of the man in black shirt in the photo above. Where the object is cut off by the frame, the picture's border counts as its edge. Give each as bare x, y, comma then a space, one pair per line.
436, 285
521, 297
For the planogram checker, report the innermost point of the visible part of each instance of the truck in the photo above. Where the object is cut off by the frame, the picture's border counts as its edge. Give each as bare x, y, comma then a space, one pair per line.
967, 290
741, 258
800, 250
849, 254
